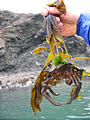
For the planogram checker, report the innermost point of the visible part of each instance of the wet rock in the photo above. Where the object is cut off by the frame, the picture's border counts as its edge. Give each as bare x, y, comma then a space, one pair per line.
17, 80
23, 81
20, 34
0, 82
0, 87
4, 86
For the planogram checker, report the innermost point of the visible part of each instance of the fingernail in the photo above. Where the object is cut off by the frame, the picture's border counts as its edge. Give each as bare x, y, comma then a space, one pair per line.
44, 12
58, 19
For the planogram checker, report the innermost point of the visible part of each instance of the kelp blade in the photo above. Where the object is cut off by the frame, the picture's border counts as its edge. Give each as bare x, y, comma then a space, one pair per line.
40, 49
36, 96
85, 73
53, 35
36, 99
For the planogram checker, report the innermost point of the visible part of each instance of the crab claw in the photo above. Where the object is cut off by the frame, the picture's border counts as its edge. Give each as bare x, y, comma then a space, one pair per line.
76, 89
48, 97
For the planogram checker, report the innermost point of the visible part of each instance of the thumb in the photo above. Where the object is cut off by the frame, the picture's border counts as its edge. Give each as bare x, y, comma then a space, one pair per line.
51, 10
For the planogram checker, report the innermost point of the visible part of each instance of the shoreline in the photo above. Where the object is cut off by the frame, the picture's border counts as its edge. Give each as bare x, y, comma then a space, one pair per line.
12, 81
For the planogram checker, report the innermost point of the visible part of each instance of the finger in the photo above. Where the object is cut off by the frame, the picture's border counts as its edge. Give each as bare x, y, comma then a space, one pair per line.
52, 10
60, 24
58, 20
44, 12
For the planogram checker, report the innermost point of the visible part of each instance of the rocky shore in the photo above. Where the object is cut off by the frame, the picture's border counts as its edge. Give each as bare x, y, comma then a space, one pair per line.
9, 81
20, 34
17, 80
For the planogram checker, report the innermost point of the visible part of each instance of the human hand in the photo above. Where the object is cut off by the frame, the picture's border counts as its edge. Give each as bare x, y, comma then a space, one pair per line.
67, 23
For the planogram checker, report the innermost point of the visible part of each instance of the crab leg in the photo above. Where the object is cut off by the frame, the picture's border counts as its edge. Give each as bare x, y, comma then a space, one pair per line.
48, 97
47, 87
78, 79
76, 88
55, 94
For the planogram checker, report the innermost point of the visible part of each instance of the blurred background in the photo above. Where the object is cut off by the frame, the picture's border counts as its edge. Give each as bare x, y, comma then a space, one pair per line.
35, 6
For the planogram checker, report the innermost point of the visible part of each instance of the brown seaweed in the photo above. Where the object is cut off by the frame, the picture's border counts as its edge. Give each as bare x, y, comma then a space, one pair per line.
58, 65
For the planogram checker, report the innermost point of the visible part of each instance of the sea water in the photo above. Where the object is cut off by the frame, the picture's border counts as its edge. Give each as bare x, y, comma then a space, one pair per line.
15, 105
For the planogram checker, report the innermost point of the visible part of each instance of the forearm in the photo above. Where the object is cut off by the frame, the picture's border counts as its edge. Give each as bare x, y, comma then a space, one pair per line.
83, 27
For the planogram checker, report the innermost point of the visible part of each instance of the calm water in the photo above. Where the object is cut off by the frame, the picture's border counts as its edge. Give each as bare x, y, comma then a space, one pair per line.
15, 105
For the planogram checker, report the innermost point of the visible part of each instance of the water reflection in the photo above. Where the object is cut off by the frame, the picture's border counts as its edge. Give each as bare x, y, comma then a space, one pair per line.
79, 117
15, 105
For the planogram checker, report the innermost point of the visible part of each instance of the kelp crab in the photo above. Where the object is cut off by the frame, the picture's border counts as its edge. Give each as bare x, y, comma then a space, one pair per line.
51, 76
58, 65
67, 72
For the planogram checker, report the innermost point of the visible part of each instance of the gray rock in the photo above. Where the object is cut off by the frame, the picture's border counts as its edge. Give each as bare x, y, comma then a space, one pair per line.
21, 34
0, 82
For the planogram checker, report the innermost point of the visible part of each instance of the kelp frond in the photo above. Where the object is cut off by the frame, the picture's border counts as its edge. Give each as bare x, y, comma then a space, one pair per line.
58, 65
